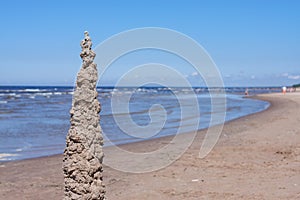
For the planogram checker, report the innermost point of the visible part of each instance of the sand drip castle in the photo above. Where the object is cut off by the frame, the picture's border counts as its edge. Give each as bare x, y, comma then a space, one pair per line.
82, 164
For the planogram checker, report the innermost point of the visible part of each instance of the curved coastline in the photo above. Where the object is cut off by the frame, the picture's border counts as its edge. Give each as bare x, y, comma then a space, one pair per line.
42, 132
167, 137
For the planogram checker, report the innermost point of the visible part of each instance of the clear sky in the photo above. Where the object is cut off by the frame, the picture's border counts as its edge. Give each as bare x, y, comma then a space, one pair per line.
253, 42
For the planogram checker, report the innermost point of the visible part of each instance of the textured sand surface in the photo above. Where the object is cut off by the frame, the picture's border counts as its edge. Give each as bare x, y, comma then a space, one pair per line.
257, 157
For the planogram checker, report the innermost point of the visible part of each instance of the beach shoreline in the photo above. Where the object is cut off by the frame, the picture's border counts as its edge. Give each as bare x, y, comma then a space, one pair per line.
35, 120
257, 157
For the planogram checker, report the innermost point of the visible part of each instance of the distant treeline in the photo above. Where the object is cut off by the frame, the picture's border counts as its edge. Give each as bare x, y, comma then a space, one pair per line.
296, 85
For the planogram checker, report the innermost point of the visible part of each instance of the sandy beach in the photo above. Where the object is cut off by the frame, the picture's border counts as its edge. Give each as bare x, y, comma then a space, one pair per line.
257, 157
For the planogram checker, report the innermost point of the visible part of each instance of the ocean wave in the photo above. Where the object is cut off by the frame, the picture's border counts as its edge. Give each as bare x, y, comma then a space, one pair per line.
7, 156
44, 93
19, 150
3, 102
8, 95
59, 93
32, 90
33, 95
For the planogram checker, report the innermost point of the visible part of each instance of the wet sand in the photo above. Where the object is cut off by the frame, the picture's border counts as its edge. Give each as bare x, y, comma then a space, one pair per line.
257, 157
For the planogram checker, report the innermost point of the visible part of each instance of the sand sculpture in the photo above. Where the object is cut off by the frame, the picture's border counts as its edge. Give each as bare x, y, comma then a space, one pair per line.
83, 155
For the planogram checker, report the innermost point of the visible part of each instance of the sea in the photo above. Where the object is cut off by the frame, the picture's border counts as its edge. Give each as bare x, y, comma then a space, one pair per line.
34, 120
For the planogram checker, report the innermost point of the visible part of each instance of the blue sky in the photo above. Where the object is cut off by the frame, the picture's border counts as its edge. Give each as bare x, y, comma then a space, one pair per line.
252, 42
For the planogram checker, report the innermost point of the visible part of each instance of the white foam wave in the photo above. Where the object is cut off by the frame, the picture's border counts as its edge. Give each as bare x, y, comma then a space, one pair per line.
19, 150
32, 90
57, 93
44, 94
31, 95
7, 156
3, 102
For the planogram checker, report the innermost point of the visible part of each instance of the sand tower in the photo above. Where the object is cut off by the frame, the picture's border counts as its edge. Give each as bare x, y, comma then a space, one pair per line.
83, 155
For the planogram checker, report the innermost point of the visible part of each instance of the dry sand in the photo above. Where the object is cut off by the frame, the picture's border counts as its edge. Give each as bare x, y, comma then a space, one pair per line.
257, 157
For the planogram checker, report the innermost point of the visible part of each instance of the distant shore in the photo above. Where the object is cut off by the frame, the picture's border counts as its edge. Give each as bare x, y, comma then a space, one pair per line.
257, 157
